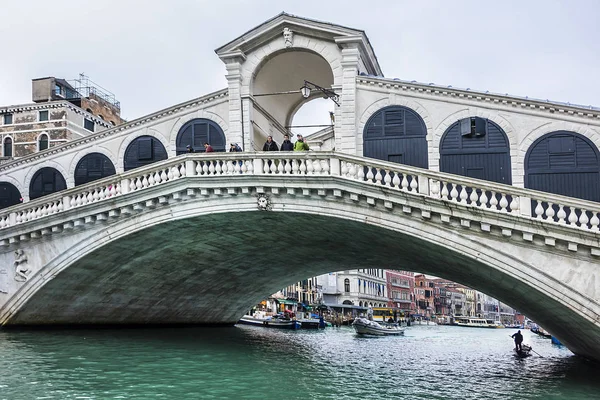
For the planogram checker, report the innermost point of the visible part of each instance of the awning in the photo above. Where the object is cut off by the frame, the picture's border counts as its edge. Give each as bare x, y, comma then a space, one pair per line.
287, 302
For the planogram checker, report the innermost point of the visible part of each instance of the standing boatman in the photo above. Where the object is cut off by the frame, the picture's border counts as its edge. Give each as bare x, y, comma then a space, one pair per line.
518, 340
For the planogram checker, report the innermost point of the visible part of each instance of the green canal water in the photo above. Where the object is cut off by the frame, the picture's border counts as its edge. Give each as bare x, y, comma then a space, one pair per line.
435, 362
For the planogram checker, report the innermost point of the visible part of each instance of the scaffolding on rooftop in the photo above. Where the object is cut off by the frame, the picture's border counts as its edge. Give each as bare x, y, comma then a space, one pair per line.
88, 88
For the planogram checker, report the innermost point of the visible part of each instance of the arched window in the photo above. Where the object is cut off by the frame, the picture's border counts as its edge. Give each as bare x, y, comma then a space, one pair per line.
142, 151
7, 147
9, 195
197, 132
93, 166
346, 285
43, 142
46, 181
396, 134
564, 163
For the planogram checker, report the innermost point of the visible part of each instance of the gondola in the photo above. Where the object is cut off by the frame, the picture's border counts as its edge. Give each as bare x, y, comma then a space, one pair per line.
524, 352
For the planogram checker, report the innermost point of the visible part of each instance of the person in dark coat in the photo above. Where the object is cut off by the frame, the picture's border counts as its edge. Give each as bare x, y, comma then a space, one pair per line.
189, 148
287, 145
208, 148
518, 340
234, 147
270, 145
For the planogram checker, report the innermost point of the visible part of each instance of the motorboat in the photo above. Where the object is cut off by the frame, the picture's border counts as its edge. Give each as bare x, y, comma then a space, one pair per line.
274, 321
524, 352
363, 326
310, 321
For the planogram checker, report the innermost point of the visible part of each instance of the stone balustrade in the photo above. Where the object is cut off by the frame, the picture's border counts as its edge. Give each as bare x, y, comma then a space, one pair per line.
488, 196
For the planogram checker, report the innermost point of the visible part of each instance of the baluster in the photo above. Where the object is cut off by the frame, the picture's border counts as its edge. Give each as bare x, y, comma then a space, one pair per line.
89, 198
163, 176
396, 180
288, 166
151, 180
503, 203
378, 176
539, 210
273, 166
198, 168
182, 170
434, 187
317, 167
19, 217
54, 209
583, 220
463, 194
550, 212
404, 183
561, 215
483, 199
572, 216
493, 201
211, 167
595, 221
514, 205
245, 165
445, 192
302, 167
280, 167
96, 195
324, 167
414, 184
205, 169
175, 172
344, 168
294, 166
388, 178
454, 193
352, 171
218, 169
360, 173
266, 167
309, 167
370, 175
474, 197
114, 190
145, 182
73, 202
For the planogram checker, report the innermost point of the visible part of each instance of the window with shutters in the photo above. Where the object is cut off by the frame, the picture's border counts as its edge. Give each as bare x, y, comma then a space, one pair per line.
347, 285
7, 147
43, 142
9, 195
46, 181
143, 150
197, 132
88, 124
93, 166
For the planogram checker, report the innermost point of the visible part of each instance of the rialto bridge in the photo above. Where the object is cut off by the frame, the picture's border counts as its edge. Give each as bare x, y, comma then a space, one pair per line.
122, 227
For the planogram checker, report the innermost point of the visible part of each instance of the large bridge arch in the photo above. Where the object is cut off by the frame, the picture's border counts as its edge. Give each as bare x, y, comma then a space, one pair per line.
146, 269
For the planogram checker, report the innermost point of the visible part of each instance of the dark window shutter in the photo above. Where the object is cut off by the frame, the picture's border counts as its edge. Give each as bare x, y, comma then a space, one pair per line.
144, 148
465, 127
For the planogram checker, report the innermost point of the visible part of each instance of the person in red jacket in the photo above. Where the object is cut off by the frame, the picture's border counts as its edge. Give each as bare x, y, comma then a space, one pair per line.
208, 148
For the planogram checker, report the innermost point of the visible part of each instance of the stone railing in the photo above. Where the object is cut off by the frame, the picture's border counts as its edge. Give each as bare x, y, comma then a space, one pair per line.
484, 195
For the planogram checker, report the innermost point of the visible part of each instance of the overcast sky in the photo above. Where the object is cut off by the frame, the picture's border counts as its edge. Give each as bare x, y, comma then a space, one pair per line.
153, 54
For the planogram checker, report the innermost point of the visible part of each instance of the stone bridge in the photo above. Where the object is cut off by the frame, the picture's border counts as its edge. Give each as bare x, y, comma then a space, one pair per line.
200, 238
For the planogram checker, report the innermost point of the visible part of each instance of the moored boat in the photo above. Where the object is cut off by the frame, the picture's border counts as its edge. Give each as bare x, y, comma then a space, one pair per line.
363, 326
275, 321
473, 322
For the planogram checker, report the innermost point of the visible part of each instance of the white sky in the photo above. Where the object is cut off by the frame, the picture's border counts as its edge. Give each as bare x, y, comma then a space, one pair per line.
153, 54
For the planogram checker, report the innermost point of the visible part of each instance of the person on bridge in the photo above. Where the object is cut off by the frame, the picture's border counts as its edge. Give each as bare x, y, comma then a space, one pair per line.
234, 147
270, 145
518, 340
208, 148
287, 145
189, 148
300, 144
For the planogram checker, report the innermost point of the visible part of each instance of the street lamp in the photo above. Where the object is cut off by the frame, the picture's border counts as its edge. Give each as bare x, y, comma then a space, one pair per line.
328, 94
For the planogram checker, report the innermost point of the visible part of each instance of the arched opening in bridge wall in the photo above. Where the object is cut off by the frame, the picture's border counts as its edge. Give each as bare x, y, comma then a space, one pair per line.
311, 117
281, 73
564, 163
396, 134
46, 181
477, 148
209, 268
197, 132
9, 195
93, 166
143, 151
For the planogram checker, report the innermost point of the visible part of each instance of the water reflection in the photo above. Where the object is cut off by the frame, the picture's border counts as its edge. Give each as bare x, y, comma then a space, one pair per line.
429, 362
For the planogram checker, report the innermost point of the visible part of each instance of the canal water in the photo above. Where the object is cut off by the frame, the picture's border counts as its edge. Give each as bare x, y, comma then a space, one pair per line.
429, 362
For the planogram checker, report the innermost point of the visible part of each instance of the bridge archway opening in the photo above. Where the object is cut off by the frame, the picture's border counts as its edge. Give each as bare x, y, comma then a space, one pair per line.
93, 166
9, 195
276, 87
142, 151
197, 132
316, 111
396, 134
477, 148
46, 181
564, 163
210, 268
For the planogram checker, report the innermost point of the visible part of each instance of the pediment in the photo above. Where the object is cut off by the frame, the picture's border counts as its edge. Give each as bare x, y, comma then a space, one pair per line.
273, 28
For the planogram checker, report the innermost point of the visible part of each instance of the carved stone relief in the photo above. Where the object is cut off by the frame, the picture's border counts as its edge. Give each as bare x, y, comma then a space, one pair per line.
288, 37
264, 202
21, 268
